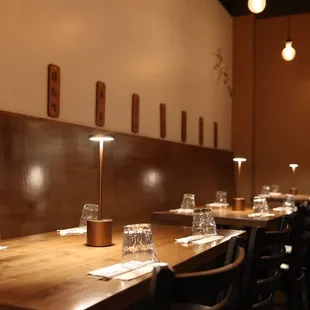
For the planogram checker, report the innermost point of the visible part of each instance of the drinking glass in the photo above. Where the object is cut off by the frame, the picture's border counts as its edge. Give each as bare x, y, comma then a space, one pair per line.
265, 190
275, 188
89, 212
203, 222
138, 245
188, 202
289, 201
260, 205
221, 197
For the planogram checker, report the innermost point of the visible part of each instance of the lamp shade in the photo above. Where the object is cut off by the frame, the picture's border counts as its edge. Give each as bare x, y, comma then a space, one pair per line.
256, 6
289, 52
100, 137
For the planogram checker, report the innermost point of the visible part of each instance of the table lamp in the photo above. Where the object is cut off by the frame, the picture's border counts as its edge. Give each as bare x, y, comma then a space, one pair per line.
293, 189
99, 232
238, 203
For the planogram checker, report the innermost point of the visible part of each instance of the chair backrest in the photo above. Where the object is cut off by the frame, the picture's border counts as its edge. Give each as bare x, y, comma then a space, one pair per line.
169, 288
266, 253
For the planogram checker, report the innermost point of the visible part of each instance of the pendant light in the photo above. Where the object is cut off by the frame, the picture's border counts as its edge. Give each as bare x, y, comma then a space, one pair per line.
256, 6
288, 53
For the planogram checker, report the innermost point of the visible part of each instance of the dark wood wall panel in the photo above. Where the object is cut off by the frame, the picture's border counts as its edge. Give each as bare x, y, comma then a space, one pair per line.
49, 170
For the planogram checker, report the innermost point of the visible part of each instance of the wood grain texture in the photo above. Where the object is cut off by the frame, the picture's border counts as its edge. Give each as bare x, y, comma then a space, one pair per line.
215, 135
100, 103
50, 272
163, 120
183, 126
53, 91
135, 113
49, 170
201, 131
222, 216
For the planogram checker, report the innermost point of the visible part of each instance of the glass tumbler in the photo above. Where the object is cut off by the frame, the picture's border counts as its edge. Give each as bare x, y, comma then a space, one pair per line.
138, 245
275, 188
203, 222
289, 201
89, 212
265, 190
188, 201
260, 205
221, 197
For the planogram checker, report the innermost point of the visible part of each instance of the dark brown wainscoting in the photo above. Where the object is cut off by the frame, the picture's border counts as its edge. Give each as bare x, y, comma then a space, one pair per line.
49, 170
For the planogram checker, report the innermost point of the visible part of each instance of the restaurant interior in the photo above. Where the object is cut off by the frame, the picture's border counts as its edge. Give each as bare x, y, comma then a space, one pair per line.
159, 159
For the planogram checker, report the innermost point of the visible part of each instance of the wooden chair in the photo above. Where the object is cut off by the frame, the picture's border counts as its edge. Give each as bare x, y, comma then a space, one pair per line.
262, 274
192, 291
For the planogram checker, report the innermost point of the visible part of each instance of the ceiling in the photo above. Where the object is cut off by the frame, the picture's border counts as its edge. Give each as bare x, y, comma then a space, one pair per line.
273, 7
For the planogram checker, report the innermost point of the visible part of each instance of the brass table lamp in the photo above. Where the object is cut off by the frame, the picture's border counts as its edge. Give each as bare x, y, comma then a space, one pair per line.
238, 203
99, 232
293, 189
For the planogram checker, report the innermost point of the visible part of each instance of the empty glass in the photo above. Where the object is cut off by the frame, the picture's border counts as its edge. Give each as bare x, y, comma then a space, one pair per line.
289, 201
203, 222
265, 190
274, 188
260, 205
138, 245
89, 212
221, 197
188, 202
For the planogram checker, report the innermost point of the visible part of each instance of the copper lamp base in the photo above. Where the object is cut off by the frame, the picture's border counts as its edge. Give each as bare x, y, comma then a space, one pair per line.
99, 233
293, 191
238, 204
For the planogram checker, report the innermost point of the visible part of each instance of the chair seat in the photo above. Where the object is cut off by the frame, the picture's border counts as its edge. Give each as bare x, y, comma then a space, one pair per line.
189, 307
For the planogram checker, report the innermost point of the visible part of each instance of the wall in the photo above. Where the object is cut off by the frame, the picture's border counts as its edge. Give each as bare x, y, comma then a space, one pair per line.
280, 102
161, 49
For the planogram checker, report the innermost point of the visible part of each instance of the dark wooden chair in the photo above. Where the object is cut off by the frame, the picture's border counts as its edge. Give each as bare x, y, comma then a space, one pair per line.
192, 291
262, 274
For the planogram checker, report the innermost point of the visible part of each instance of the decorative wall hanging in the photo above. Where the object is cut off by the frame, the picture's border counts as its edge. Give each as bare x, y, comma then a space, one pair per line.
135, 113
100, 103
222, 70
162, 113
53, 91
183, 126
201, 131
215, 135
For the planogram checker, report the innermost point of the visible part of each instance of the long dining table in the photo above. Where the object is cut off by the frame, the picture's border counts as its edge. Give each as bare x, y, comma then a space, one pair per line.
49, 271
225, 217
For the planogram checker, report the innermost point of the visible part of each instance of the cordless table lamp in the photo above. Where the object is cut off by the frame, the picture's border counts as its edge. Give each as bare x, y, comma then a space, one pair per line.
238, 203
99, 232
293, 189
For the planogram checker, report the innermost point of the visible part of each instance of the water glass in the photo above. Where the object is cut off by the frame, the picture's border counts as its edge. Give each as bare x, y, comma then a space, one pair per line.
203, 222
221, 197
188, 202
138, 245
289, 201
275, 188
89, 212
265, 190
260, 205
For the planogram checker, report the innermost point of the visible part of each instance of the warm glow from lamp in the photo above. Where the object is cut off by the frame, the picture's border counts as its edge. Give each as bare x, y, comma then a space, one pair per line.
239, 159
256, 6
294, 166
100, 137
288, 53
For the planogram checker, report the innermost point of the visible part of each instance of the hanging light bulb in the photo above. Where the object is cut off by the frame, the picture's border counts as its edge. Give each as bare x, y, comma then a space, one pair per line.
256, 6
289, 52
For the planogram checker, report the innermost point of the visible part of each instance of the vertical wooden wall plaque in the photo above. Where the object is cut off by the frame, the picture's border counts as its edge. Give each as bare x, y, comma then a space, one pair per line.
100, 103
53, 91
215, 132
135, 113
163, 120
183, 126
201, 131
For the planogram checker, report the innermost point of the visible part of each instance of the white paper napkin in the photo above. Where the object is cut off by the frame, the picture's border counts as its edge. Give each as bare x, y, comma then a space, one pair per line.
198, 239
286, 209
217, 204
119, 272
3, 248
274, 194
72, 231
182, 211
261, 215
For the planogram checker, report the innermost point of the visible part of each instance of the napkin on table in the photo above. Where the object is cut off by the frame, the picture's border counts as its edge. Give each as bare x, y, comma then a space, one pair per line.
260, 215
198, 239
3, 248
72, 231
182, 211
217, 204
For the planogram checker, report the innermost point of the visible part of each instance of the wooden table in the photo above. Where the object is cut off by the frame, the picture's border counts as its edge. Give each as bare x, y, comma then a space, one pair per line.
48, 271
280, 198
222, 216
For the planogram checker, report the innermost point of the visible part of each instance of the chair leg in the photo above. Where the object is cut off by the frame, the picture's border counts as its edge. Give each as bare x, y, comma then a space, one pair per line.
305, 296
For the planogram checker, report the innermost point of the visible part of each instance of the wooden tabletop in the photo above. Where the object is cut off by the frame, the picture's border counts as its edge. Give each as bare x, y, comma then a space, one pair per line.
280, 198
222, 216
48, 271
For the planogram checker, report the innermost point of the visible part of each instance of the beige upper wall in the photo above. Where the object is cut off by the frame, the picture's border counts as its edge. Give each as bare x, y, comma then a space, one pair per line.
161, 49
